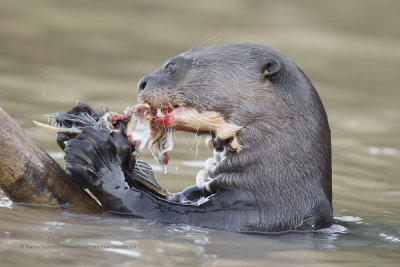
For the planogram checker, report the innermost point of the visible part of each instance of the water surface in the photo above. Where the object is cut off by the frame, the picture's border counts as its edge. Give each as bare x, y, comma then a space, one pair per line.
53, 53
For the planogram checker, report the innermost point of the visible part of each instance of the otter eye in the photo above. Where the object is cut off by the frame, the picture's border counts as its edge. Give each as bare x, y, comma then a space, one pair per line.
170, 68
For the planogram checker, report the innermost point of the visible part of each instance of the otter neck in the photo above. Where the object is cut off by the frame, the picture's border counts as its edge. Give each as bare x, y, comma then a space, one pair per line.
274, 154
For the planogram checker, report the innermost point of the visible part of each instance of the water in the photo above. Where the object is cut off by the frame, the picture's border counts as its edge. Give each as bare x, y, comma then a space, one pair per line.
53, 53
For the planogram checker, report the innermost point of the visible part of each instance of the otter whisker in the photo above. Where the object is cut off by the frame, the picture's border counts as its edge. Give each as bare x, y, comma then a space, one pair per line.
210, 40
198, 144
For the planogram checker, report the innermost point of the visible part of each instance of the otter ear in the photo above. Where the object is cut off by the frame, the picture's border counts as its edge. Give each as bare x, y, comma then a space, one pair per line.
269, 67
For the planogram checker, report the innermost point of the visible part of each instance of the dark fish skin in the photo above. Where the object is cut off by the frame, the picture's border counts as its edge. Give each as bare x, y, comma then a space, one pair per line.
81, 115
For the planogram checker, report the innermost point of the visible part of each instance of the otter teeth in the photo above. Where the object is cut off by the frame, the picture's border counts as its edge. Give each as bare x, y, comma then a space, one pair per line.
159, 113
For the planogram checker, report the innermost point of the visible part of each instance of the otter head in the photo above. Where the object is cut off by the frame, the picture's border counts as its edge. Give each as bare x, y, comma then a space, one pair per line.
223, 79
259, 106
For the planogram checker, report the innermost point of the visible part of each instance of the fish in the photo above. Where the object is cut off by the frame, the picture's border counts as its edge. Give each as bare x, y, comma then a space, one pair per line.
136, 124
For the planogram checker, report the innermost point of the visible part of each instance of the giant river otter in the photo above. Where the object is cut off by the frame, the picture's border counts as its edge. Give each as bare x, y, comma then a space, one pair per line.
271, 169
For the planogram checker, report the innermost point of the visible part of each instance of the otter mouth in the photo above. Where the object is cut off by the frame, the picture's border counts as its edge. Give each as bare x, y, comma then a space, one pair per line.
188, 119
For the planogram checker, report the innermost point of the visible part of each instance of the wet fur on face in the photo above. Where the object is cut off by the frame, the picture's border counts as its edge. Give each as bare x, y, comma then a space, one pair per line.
285, 155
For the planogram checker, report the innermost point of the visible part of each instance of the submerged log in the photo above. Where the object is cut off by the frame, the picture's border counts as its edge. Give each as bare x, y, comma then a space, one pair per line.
29, 175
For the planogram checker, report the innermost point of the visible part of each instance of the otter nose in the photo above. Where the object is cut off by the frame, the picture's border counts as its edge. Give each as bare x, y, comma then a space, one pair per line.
142, 83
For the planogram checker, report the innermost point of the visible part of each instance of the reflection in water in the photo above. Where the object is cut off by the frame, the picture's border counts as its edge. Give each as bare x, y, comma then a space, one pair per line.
5, 202
382, 150
53, 53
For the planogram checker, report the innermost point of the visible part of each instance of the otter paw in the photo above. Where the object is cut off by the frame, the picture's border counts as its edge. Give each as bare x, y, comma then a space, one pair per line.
95, 158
